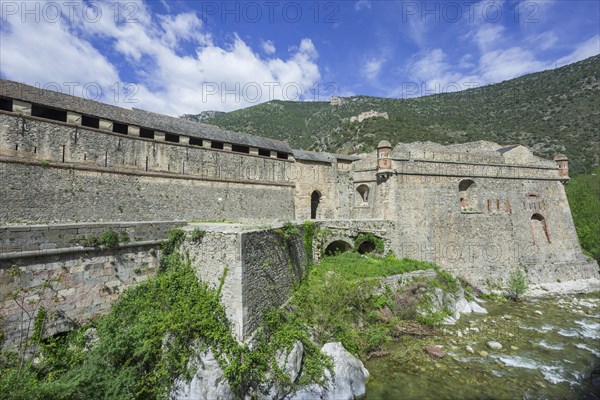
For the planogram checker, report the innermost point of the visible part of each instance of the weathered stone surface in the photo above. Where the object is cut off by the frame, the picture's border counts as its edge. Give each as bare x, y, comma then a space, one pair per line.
476, 308
348, 382
208, 383
85, 284
291, 362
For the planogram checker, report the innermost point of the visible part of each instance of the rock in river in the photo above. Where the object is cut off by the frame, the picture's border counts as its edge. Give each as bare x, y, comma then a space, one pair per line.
494, 345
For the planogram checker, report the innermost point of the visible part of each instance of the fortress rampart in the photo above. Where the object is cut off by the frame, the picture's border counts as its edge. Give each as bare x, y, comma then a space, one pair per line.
480, 210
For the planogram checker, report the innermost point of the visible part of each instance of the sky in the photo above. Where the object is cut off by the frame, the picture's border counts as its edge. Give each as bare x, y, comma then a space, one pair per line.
176, 57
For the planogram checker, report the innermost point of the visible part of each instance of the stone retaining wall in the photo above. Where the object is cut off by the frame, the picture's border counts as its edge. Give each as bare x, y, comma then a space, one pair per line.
44, 266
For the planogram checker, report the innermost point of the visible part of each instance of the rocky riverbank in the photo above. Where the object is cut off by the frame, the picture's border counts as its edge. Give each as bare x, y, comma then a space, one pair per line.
538, 348
346, 380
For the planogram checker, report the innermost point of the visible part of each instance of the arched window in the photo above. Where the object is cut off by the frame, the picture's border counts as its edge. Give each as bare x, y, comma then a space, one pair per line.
363, 195
467, 193
539, 228
315, 199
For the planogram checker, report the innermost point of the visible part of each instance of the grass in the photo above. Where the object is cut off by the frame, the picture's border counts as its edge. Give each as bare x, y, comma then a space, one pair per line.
342, 300
360, 266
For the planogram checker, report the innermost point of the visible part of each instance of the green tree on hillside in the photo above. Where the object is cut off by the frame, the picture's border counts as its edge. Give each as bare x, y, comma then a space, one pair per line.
583, 192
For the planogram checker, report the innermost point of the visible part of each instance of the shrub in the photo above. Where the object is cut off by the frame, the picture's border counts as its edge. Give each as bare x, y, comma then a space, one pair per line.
517, 284
197, 235
109, 239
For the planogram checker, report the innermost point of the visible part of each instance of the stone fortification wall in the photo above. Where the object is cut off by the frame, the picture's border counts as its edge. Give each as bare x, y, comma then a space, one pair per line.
496, 226
271, 266
317, 177
54, 172
39, 194
38, 139
42, 266
50, 239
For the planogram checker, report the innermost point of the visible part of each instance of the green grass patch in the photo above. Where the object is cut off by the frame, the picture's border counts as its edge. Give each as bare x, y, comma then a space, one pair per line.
357, 266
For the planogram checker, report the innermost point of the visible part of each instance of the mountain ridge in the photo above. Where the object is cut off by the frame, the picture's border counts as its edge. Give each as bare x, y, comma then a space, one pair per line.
552, 111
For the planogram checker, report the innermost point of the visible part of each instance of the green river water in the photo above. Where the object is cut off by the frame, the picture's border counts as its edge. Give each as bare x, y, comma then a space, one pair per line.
550, 349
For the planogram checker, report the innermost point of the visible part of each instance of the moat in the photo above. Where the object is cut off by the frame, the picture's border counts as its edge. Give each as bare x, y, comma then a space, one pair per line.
550, 348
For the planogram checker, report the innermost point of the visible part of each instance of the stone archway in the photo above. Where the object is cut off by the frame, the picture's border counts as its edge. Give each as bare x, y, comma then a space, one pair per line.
366, 246
337, 247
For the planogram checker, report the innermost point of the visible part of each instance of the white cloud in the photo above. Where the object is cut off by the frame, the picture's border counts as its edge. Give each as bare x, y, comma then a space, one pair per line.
488, 36
544, 40
500, 65
41, 53
585, 49
432, 68
156, 51
466, 62
362, 5
372, 67
268, 47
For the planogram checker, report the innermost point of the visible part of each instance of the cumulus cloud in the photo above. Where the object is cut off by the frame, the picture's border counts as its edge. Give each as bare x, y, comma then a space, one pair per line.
173, 60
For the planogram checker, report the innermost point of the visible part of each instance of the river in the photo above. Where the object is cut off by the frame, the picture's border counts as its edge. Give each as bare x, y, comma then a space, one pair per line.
550, 347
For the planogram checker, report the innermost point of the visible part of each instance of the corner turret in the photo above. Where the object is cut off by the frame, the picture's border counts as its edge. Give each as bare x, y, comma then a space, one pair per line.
563, 167
384, 160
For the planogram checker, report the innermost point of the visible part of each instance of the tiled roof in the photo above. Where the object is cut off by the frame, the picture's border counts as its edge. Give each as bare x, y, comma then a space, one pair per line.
508, 148
136, 117
346, 158
311, 156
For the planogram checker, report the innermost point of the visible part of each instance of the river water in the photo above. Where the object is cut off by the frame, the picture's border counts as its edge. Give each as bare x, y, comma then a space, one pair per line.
550, 347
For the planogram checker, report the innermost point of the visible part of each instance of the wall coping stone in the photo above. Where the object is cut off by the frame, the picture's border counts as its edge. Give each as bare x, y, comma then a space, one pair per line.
75, 249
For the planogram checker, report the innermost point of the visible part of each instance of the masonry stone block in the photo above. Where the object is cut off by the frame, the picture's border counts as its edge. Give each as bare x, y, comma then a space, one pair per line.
106, 125
133, 130
21, 107
73, 118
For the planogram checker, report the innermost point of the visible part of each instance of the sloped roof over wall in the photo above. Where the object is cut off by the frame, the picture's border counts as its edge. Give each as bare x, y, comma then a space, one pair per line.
311, 156
346, 158
136, 117
508, 148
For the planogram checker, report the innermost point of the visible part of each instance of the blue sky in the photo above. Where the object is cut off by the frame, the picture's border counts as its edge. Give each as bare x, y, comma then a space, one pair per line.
187, 56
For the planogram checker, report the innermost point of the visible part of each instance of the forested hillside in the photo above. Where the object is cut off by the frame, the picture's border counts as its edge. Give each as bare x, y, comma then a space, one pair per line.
551, 111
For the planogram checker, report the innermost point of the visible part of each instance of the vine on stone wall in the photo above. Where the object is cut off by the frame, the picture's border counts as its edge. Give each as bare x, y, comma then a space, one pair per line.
370, 237
309, 236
